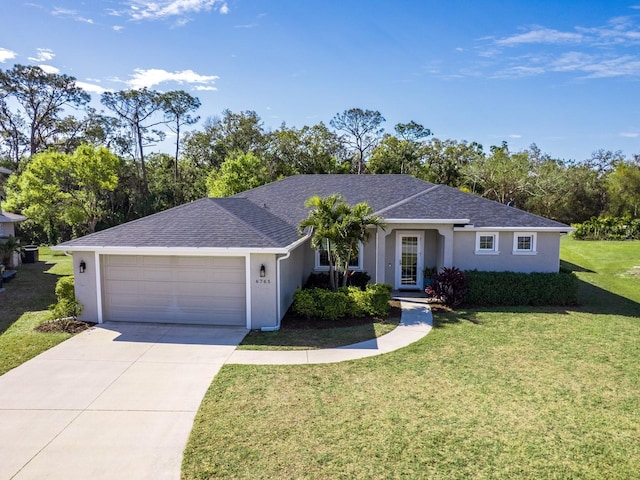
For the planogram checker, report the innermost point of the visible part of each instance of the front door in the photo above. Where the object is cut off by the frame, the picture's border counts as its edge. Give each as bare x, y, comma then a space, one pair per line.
409, 256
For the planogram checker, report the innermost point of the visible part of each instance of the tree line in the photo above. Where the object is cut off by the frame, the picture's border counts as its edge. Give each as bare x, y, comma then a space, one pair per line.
78, 169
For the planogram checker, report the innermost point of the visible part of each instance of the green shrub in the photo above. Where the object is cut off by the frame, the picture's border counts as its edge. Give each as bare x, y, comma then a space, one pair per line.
608, 228
67, 305
513, 289
321, 280
304, 303
331, 305
357, 304
346, 302
379, 295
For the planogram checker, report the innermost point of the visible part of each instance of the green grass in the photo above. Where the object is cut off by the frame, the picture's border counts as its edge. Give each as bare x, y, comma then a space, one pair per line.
298, 334
491, 393
24, 306
311, 339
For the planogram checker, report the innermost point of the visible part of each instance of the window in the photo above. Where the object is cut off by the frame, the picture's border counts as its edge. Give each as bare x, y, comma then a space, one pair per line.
322, 260
524, 243
487, 242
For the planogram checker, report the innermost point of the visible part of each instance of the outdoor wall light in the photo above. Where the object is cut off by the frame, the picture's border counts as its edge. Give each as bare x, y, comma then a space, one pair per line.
263, 271
83, 266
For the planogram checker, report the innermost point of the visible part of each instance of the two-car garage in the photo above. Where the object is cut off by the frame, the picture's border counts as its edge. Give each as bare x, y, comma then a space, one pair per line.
174, 289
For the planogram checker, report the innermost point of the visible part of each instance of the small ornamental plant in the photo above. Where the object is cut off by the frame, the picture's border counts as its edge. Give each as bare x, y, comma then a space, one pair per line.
449, 286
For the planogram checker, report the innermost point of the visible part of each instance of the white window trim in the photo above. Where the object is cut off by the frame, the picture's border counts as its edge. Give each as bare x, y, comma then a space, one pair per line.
325, 268
534, 243
485, 251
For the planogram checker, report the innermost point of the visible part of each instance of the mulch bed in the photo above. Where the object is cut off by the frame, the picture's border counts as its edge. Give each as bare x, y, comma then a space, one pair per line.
294, 322
64, 325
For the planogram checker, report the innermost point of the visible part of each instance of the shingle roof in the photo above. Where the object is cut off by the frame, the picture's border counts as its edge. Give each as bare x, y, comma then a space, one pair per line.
209, 222
443, 202
8, 217
268, 216
285, 198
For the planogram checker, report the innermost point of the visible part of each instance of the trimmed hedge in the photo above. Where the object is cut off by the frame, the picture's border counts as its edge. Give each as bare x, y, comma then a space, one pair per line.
346, 302
514, 289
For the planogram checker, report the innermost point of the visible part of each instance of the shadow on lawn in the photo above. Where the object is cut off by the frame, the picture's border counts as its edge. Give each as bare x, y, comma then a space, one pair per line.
592, 298
32, 289
572, 267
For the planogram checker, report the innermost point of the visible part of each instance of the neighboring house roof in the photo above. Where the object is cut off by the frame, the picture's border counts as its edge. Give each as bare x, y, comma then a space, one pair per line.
7, 217
268, 216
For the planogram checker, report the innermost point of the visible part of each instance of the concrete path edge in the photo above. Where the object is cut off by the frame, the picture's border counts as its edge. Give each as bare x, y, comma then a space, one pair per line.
416, 322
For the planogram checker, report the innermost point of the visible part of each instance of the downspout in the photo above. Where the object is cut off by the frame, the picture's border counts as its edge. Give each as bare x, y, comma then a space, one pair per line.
279, 278
278, 288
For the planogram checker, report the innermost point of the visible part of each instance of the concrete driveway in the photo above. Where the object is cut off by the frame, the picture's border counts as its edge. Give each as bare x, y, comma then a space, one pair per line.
117, 401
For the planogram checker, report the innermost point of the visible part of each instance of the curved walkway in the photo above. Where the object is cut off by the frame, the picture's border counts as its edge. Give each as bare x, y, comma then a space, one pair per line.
415, 323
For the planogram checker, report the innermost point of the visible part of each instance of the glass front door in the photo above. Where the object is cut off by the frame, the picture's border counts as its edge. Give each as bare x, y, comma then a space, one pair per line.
410, 252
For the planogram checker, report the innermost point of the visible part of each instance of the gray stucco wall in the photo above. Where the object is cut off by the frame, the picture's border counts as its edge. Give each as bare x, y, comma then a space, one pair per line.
6, 229
545, 260
85, 285
263, 290
369, 256
293, 275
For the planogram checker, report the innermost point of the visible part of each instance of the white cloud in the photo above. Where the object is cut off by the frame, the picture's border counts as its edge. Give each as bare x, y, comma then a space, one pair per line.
117, 28
584, 52
49, 69
515, 135
6, 54
91, 87
153, 76
624, 66
518, 72
68, 13
540, 35
205, 88
158, 9
630, 134
44, 55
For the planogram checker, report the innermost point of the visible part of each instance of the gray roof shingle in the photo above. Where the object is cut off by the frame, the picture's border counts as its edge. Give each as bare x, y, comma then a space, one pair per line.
268, 216
209, 222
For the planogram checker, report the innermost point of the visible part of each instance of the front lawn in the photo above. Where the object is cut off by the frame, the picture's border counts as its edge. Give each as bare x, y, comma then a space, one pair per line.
300, 334
490, 393
24, 306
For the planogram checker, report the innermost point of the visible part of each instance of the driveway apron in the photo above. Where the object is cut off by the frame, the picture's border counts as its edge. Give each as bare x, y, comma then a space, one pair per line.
116, 401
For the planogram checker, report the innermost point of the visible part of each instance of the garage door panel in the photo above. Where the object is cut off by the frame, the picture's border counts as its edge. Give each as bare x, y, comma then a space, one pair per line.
158, 274
208, 289
122, 273
198, 290
230, 303
155, 261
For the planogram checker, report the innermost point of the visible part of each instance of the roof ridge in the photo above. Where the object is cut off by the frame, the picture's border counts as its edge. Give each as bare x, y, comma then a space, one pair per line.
244, 222
408, 199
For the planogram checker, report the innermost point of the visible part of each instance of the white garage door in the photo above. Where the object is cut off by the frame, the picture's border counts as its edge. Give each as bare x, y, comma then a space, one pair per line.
194, 290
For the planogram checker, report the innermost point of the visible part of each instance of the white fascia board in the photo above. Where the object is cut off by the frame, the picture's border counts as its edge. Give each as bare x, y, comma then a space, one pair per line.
185, 251
182, 251
427, 221
513, 229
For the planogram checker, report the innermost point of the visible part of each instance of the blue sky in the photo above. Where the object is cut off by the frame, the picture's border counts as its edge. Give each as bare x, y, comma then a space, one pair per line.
563, 74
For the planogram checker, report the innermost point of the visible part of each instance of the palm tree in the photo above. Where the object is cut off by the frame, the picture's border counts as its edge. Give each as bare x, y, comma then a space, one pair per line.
323, 220
354, 231
338, 229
